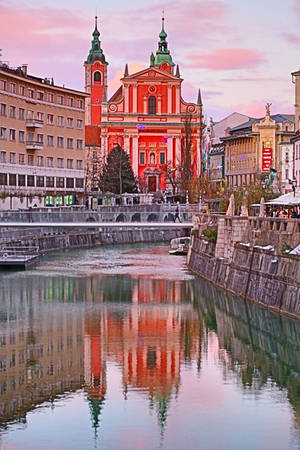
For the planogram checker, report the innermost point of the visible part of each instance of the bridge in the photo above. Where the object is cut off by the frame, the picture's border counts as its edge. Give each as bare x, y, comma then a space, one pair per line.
117, 225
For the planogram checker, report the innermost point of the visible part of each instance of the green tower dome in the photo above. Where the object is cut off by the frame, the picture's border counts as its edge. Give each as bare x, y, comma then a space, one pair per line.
163, 54
96, 52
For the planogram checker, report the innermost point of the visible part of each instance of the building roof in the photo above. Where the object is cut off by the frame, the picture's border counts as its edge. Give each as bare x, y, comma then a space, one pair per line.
20, 73
116, 96
279, 118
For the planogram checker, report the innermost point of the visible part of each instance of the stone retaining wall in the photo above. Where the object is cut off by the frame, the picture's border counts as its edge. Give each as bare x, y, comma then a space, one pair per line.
251, 272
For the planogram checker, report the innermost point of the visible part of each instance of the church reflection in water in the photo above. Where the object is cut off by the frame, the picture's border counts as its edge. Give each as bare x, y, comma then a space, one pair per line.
58, 334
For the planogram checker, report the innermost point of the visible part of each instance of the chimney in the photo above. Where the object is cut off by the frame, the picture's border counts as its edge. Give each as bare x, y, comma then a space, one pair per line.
24, 69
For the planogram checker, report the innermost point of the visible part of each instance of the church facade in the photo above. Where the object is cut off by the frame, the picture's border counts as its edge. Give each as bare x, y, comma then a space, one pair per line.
146, 116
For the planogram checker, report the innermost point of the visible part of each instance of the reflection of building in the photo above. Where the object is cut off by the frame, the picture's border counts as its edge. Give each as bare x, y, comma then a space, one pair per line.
145, 115
41, 348
42, 141
253, 147
149, 340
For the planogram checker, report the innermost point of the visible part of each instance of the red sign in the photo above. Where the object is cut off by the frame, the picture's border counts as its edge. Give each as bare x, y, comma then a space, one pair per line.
266, 158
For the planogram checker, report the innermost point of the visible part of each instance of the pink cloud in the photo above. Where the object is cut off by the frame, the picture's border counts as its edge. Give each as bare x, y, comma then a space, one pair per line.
226, 59
257, 108
253, 79
292, 38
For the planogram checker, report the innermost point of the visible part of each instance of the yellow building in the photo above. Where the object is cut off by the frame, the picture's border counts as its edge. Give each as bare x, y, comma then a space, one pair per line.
41, 141
254, 147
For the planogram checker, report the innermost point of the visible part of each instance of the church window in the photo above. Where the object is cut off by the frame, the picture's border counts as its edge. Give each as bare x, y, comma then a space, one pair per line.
162, 157
152, 105
142, 158
97, 76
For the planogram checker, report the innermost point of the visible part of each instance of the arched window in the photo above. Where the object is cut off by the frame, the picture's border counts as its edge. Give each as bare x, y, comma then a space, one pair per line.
152, 105
97, 76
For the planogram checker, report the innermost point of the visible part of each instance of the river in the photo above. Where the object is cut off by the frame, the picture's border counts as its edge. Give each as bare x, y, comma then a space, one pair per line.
123, 348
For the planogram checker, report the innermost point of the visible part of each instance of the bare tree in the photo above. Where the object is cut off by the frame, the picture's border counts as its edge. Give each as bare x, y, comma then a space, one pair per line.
94, 163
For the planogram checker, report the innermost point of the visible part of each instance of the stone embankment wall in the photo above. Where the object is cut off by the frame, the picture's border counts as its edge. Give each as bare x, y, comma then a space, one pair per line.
52, 240
261, 274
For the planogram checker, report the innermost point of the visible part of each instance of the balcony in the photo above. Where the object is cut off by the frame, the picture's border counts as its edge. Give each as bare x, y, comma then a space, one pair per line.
34, 145
34, 123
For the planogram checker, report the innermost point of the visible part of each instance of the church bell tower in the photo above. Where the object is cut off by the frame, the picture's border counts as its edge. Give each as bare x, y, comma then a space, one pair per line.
95, 80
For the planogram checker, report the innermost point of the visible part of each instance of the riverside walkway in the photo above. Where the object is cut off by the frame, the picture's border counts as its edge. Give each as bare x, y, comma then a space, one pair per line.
118, 225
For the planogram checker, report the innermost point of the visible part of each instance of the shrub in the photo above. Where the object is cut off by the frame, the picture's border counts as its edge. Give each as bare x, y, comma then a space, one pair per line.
211, 234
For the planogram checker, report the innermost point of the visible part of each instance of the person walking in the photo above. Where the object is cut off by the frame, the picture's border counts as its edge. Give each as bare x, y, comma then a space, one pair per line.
177, 214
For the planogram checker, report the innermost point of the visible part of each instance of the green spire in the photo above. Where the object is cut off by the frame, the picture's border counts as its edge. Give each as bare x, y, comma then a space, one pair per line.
163, 54
96, 53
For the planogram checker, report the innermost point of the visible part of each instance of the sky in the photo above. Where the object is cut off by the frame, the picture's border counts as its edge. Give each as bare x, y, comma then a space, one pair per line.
240, 53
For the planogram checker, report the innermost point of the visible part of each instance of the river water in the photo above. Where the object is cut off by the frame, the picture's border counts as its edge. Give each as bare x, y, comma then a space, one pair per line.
123, 348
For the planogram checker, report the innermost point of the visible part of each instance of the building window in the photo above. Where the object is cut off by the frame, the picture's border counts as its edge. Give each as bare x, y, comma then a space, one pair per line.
79, 183
21, 180
60, 121
49, 181
22, 90
40, 95
3, 85
286, 174
12, 179
50, 119
60, 163
70, 102
49, 161
79, 164
50, 141
3, 179
40, 181
12, 158
2, 133
69, 143
40, 116
12, 135
21, 113
162, 158
30, 93
30, 160
97, 77
60, 182
51, 98
13, 88
40, 161
70, 183
30, 114
79, 144
80, 104
60, 142
30, 137
152, 105
60, 99
142, 158
2, 109
70, 122
2, 157
30, 180
69, 163
12, 112
40, 138
79, 124
21, 159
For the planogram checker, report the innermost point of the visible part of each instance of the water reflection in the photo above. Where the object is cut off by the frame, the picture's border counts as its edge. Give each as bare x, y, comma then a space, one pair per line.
61, 334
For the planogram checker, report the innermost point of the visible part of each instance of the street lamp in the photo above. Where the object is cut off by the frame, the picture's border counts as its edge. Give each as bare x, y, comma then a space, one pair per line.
293, 182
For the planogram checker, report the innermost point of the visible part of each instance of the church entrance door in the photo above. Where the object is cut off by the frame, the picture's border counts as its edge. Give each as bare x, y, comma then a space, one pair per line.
152, 185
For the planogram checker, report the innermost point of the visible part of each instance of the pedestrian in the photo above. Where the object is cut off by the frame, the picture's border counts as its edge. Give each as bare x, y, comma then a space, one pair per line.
177, 214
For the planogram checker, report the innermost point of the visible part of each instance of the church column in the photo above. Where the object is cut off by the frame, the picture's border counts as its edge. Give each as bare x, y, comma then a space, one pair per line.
177, 99
104, 145
169, 99
159, 104
126, 95
198, 153
126, 144
145, 104
134, 93
135, 155
178, 150
170, 150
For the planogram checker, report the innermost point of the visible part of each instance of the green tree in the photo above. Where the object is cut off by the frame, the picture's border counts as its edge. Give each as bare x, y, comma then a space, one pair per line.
117, 175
